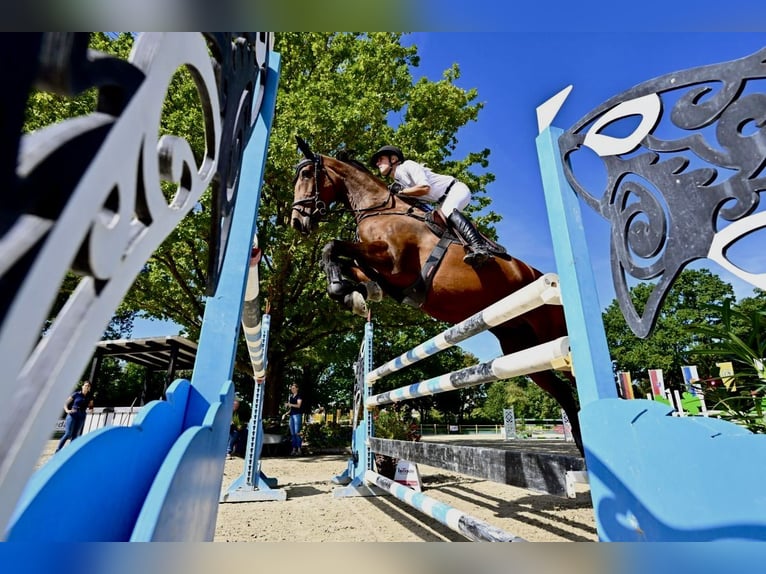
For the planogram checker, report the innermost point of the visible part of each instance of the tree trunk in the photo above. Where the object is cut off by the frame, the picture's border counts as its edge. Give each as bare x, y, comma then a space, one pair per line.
272, 404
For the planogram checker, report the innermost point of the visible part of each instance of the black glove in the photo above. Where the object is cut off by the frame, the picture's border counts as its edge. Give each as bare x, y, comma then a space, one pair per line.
395, 187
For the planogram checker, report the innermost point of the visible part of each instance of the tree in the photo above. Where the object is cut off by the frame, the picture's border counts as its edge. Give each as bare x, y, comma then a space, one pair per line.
338, 91
123, 386
497, 400
671, 343
738, 337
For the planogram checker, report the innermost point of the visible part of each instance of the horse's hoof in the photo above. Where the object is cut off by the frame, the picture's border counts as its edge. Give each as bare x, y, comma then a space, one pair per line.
374, 292
355, 302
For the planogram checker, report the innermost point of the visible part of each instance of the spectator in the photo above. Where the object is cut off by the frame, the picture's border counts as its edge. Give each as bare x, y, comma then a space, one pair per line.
75, 408
294, 403
235, 429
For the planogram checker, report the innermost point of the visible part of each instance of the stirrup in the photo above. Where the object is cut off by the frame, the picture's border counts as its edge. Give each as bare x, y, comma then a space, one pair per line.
477, 259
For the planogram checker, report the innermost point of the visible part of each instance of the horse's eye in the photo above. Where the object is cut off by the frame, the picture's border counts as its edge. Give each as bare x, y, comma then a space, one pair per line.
307, 174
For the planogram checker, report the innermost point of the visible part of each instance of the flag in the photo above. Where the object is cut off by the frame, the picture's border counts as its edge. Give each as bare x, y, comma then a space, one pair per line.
658, 383
726, 372
690, 376
625, 385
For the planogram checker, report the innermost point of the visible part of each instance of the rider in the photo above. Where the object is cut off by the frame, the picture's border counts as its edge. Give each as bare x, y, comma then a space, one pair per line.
416, 180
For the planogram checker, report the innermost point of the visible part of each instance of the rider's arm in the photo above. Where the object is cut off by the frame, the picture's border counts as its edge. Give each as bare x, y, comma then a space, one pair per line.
411, 171
416, 190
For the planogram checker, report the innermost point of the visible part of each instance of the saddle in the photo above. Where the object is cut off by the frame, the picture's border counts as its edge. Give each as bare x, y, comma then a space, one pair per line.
439, 227
415, 294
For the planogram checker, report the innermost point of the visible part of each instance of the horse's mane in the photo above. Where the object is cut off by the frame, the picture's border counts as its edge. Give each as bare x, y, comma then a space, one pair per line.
344, 156
347, 156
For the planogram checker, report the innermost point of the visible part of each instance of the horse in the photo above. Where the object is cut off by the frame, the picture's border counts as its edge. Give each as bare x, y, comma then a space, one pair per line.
395, 246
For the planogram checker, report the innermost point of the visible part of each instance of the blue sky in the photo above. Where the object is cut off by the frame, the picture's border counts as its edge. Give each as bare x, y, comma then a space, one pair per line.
514, 72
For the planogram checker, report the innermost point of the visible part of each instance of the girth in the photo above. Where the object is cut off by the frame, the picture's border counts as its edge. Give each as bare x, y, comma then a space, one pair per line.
415, 294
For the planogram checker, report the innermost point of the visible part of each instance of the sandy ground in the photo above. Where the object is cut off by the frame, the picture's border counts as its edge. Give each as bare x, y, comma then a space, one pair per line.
312, 514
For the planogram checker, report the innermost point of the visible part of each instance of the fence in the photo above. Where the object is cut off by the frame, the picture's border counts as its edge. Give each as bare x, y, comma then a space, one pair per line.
529, 427
99, 417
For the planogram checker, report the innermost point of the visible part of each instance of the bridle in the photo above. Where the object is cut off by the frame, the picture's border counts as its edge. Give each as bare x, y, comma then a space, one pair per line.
317, 206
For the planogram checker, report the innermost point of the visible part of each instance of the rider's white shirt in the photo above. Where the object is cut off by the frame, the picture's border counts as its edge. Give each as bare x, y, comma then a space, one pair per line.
410, 174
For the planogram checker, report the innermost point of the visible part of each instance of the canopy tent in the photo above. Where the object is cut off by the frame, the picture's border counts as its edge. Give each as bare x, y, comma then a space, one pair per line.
171, 353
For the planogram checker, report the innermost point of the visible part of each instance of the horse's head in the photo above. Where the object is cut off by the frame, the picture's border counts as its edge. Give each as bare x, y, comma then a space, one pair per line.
321, 180
313, 192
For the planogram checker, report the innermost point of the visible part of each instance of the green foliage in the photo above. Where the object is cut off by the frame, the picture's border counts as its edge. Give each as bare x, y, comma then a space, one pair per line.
326, 435
118, 385
392, 423
531, 402
739, 337
520, 393
496, 401
670, 344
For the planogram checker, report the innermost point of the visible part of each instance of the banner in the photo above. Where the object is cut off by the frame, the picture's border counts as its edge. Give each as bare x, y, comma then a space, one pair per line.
658, 383
690, 376
726, 372
407, 474
567, 427
509, 420
626, 386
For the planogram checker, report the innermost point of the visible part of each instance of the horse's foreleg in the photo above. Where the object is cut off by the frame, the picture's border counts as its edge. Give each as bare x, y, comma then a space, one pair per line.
337, 284
368, 255
369, 289
351, 293
346, 282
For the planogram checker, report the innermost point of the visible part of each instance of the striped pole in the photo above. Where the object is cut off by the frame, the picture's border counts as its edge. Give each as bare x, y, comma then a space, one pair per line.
550, 355
457, 520
544, 290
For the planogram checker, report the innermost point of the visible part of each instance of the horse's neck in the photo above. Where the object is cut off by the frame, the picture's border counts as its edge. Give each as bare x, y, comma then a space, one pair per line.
363, 193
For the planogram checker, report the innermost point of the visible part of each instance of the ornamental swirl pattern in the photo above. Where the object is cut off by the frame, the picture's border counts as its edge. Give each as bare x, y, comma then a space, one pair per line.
679, 186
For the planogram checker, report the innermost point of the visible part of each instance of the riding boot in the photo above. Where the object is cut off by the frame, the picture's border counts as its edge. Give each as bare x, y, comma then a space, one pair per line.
478, 250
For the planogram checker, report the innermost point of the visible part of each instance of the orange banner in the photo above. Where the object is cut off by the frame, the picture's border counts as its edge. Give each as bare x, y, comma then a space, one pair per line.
626, 387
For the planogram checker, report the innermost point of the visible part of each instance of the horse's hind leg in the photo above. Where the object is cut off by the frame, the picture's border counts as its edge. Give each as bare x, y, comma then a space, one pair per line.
564, 393
521, 335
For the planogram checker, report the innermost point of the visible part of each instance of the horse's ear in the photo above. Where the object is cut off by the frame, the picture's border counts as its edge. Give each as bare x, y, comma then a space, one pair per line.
304, 147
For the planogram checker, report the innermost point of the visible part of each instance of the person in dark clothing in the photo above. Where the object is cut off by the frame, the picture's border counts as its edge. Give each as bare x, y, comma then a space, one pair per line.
238, 429
294, 403
75, 407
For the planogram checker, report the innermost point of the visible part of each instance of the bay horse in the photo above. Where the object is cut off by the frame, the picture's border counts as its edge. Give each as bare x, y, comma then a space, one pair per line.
393, 248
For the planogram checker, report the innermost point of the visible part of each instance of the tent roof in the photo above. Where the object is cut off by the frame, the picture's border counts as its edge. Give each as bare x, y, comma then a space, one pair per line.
152, 352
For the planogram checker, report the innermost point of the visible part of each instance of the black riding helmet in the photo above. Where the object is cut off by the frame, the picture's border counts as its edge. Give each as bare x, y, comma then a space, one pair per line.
386, 150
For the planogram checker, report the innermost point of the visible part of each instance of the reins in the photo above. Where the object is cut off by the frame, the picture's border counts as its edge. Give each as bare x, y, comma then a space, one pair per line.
320, 209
